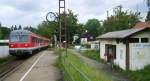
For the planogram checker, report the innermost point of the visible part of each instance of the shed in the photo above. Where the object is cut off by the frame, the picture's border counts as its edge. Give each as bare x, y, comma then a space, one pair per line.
128, 49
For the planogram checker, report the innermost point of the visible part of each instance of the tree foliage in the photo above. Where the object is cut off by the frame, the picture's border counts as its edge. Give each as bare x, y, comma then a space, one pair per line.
148, 4
148, 13
4, 32
48, 29
93, 26
120, 20
29, 28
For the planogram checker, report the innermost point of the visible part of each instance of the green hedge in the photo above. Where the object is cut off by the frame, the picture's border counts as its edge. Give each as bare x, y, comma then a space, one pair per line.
93, 54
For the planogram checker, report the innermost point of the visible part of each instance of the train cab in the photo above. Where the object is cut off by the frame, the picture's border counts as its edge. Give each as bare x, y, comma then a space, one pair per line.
23, 42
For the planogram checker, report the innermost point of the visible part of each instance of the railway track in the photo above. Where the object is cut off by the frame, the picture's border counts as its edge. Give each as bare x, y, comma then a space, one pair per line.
9, 67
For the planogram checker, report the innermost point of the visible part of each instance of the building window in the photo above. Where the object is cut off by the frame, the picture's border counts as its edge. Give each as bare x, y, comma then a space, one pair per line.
134, 40
144, 40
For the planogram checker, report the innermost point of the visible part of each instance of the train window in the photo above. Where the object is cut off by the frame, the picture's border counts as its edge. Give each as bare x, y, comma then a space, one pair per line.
19, 38
23, 38
33, 39
14, 38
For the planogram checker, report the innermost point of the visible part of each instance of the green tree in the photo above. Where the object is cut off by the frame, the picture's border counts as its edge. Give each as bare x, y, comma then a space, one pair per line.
29, 28
4, 31
0, 34
148, 4
148, 13
48, 29
93, 25
121, 20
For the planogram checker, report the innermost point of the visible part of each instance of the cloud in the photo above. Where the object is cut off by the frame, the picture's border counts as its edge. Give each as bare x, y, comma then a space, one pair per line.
32, 12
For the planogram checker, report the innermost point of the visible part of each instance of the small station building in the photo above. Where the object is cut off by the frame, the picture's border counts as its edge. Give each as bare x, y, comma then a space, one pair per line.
128, 49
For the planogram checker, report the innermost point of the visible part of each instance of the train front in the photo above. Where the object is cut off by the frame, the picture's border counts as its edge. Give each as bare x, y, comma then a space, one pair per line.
19, 44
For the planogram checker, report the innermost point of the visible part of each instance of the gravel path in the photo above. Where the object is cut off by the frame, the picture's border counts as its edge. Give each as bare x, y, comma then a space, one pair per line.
116, 76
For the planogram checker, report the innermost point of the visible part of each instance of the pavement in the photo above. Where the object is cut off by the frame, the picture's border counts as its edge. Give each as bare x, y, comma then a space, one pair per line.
39, 67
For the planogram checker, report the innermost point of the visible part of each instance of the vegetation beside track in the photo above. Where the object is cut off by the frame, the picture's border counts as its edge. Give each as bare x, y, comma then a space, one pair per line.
139, 75
93, 54
7, 59
75, 69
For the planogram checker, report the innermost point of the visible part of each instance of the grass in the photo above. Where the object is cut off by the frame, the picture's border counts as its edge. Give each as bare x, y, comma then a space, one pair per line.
93, 54
139, 75
90, 72
6, 59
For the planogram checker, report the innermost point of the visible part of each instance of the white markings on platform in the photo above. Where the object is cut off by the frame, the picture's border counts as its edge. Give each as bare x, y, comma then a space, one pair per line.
23, 77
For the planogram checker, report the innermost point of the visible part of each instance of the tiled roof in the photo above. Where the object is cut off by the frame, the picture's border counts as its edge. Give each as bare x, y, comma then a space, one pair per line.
142, 25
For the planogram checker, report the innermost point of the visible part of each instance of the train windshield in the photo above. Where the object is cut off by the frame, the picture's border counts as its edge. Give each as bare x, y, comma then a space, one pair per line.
19, 38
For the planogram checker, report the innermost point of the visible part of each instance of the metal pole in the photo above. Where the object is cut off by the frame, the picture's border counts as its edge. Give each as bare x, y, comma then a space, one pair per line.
65, 28
64, 25
59, 23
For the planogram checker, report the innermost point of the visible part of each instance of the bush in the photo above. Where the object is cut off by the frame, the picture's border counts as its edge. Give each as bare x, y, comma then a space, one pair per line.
6, 59
93, 54
139, 75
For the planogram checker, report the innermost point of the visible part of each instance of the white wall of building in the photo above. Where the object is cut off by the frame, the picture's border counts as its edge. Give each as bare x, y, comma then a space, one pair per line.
139, 55
84, 41
102, 51
120, 52
145, 34
4, 49
94, 46
121, 56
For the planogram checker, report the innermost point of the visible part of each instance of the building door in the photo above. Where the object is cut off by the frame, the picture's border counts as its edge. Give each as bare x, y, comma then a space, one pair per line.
110, 51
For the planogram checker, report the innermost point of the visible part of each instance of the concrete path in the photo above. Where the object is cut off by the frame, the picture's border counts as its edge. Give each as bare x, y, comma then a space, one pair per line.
40, 67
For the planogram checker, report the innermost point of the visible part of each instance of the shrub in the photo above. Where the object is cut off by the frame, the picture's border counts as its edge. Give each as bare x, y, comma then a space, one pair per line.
6, 59
93, 54
139, 75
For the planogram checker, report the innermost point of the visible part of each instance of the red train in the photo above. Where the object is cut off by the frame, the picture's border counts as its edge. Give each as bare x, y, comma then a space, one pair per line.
23, 43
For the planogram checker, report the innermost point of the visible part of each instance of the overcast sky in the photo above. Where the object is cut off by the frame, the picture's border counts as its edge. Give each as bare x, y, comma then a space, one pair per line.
32, 12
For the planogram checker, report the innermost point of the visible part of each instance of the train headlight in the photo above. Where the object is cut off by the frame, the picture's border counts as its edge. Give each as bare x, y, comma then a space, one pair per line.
26, 45
11, 45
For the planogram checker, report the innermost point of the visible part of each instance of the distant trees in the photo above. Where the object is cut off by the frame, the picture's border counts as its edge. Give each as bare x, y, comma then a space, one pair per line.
1, 34
93, 27
120, 20
30, 28
48, 29
148, 13
4, 32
